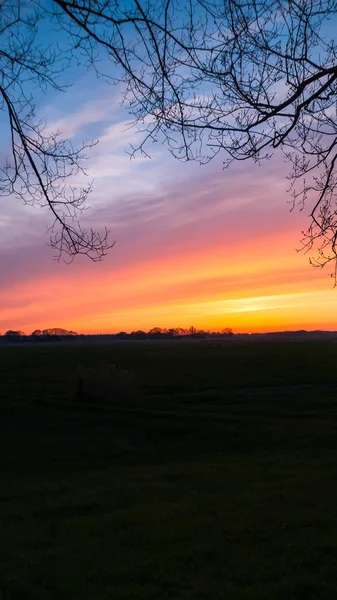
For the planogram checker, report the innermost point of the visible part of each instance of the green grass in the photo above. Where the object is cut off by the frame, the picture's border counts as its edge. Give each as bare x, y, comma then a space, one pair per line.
209, 484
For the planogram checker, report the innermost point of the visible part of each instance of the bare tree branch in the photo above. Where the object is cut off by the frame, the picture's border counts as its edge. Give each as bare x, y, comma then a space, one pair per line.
245, 78
207, 76
39, 163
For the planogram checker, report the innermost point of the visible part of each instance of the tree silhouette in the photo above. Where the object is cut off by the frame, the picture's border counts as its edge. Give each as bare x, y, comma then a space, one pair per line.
208, 76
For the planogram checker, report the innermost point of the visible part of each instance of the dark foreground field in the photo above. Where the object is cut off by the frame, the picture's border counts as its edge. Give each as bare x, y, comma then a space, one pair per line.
216, 479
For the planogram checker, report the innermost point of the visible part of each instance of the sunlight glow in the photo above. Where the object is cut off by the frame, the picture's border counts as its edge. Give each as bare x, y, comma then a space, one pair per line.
194, 246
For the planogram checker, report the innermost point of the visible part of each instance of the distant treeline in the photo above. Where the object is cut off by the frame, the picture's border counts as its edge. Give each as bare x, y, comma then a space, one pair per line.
155, 333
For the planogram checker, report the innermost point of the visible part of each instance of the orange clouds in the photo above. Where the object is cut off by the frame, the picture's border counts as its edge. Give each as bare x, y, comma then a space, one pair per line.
246, 292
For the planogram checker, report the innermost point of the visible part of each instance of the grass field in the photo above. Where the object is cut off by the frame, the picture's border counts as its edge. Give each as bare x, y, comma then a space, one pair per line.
216, 479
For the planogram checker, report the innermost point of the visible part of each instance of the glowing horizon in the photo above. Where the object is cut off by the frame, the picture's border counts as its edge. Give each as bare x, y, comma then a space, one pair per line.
194, 245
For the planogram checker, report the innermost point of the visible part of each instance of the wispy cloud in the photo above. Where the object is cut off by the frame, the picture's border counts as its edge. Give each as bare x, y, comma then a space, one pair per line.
74, 116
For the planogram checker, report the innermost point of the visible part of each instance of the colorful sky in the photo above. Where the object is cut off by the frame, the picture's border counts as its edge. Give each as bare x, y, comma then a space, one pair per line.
194, 245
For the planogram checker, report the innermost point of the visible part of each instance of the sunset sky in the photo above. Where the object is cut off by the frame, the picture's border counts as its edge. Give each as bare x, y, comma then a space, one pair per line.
195, 245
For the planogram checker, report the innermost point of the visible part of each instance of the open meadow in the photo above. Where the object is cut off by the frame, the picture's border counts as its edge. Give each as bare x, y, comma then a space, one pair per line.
203, 470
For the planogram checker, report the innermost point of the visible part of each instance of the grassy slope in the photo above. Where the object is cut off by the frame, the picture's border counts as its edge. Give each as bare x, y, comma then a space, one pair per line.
221, 495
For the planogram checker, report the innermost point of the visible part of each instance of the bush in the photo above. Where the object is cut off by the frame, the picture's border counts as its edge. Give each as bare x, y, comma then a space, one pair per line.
105, 384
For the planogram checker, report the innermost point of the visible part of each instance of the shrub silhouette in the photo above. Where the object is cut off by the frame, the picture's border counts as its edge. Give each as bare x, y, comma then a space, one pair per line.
105, 384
